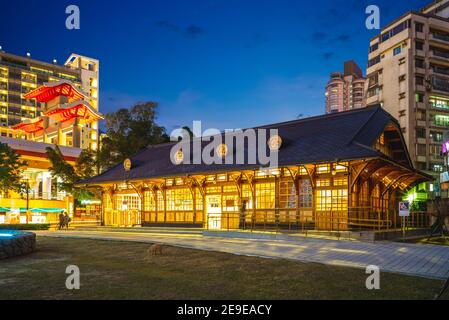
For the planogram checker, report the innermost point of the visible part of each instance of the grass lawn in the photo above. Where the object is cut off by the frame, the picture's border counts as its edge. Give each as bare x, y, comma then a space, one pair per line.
122, 270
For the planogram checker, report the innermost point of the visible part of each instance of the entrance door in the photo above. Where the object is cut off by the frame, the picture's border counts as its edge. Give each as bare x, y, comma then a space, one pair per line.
213, 212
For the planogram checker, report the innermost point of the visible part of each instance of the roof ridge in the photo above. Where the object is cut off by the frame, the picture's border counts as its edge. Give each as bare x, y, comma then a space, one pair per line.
329, 115
376, 109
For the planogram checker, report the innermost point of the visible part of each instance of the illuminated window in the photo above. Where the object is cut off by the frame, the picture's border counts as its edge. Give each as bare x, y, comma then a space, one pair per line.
199, 200
265, 195
303, 171
211, 190
128, 202
230, 203
179, 200
340, 182
332, 200
230, 189
305, 193
341, 167
149, 203
323, 168
160, 201
323, 182
287, 194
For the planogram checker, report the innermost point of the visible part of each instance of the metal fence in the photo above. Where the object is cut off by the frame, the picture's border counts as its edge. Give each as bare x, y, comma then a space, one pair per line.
354, 219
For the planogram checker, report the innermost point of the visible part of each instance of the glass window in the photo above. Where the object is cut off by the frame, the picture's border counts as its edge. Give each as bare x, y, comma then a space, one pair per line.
396, 51
323, 168
323, 182
438, 102
340, 182
287, 194
127, 202
179, 200
265, 195
149, 203
332, 200
305, 194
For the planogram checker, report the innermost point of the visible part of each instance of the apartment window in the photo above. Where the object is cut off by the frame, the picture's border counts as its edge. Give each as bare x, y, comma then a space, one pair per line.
419, 27
421, 133
436, 136
440, 103
419, 45
441, 120
419, 80
435, 151
398, 29
419, 97
373, 61
419, 63
373, 91
374, 47
396, 51
373, 80
421, 150
440, 83
421, 115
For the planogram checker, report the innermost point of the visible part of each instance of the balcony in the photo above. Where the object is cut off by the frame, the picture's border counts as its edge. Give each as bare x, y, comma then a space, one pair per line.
29, 79
440, 37
440, 70
25, 90
440, 83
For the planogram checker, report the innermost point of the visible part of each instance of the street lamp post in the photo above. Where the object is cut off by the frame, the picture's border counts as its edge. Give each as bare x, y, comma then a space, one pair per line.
28, 198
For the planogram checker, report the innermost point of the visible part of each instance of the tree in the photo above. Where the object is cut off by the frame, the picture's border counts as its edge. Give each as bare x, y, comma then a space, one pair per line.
128, 132
10, 170
69, 175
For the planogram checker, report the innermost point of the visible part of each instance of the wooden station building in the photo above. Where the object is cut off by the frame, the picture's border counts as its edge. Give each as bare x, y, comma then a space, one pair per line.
335, 172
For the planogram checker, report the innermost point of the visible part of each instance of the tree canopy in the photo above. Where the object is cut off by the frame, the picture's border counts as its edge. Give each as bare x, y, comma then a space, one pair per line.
10, 170
128, 131
69, 175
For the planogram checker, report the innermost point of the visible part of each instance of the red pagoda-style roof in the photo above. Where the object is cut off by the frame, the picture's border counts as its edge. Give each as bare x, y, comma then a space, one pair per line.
76, 109
30, 126
51, 90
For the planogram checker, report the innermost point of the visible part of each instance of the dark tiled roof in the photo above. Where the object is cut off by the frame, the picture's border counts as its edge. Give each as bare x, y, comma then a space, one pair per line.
340, 136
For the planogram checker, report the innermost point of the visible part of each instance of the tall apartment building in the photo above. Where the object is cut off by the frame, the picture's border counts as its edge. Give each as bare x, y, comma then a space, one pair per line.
408, 73
345, 91
21, 75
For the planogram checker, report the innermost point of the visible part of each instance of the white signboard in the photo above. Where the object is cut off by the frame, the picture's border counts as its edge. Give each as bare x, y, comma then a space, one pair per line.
404, 209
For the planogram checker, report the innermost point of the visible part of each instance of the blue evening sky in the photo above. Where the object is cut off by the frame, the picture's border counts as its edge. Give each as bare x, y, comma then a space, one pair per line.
228, 63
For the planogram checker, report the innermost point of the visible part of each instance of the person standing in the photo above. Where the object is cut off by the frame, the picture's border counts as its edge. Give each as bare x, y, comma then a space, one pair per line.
67, 220
61, 221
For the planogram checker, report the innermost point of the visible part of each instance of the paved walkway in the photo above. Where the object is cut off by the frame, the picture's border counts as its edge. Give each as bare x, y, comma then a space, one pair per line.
412, 259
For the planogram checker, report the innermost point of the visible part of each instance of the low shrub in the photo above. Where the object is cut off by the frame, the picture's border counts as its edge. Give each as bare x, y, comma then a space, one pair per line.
40, 226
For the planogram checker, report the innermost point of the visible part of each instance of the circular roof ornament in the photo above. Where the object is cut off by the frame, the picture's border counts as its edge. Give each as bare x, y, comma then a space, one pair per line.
275, 143
179, 156
127, 164
222, 150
